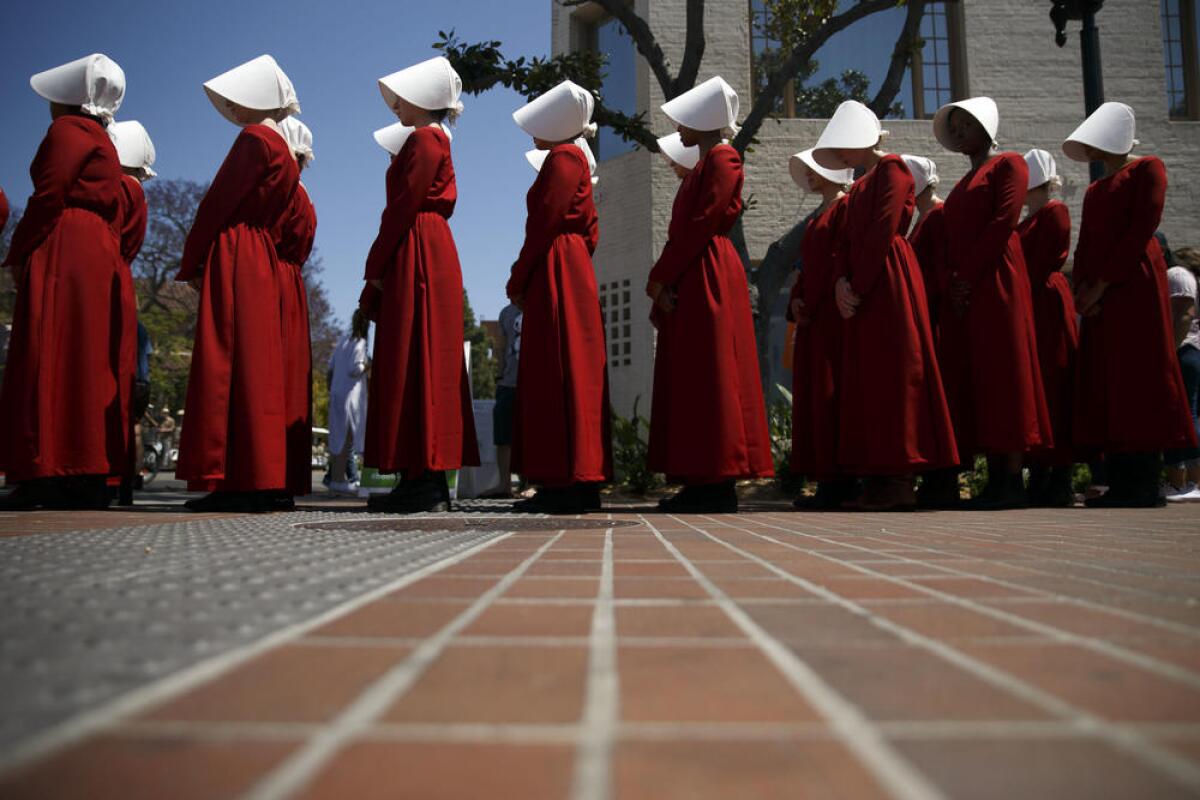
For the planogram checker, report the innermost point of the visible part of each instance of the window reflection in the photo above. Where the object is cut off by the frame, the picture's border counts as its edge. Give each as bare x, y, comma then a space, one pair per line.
619, 89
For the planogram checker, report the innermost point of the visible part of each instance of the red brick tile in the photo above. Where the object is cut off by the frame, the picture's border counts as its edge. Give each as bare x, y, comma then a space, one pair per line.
865, 588
394, 618
970, 587
554, 587
734, 569
738, 588
768, 770
677, 621
1081, 620
649, 569
295, 683
946, 621
121, 768
816, 625
691, 684
658, 588
498, 684
448, 588
532, 620
564, 569
420, 771
489, 567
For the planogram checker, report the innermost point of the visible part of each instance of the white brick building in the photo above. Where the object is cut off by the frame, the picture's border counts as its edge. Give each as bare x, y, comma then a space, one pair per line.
1001, 48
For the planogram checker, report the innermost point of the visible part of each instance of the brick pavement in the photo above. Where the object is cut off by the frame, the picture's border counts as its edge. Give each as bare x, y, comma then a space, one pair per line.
1037, 654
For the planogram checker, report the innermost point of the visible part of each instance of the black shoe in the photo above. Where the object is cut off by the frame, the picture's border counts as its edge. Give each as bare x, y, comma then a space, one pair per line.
829, 497
78, 493
939, 490
1054, 491
282, 501
710, 498
589, 495
29, 496
233, 503
1001, 494
426, 493
555, 500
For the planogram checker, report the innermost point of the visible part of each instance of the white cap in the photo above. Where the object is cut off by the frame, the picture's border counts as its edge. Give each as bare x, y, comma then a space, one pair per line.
134, 148
432, 85
711, 106
393, 137
95, 83
983, 109
673, 150
562, 113
299, 137
852, 127
1110, 128
1042, 169
798, 162
259, 84
924, 172
537, 158
1181, 283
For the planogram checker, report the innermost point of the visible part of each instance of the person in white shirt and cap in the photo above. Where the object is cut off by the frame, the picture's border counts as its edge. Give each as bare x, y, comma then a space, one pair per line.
561, 440
708, 425
893, 418
1182, 480
681, 159
236, 443
1130, 401
928, 235
817, 347
58, 438
420, 422
987, 346
294, 234
1046, 242
349, 366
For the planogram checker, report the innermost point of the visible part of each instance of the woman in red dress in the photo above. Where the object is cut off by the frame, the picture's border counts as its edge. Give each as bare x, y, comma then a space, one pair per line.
893, 417
1046, 242
561, 438
419, 421
708, 424
64, 419
987, 343
294, 236
817, 350
928, 235
235, 441
1130, 402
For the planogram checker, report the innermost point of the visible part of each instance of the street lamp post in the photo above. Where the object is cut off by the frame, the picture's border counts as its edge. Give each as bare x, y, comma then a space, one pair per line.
1061, 12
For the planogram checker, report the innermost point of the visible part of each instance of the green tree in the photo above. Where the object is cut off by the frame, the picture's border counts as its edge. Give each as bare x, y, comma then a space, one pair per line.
483, 361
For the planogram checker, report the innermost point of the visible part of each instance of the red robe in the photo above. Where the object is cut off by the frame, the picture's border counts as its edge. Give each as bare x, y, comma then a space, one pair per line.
294, 235
561, 432
988, 354
1046, 243
63, 408
893, 417
132, 231
3, 210
234, 438
932, 247
420, 415
817, 354
1129, 391
708, 421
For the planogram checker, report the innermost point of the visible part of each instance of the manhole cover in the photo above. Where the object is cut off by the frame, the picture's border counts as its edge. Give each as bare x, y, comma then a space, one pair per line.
487, 524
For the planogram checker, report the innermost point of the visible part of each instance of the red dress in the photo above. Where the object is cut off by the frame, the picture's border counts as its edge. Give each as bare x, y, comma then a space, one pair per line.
3, 210
708, 421
1129, 391
562, 420
63, 408
132, 231
932, 247
234, 438
420, 415
293, 242
988, 354
817, 354
893, 418
1046, 243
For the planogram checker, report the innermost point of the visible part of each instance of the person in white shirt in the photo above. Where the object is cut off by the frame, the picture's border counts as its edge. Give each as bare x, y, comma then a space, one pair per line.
348, 370
1182, 482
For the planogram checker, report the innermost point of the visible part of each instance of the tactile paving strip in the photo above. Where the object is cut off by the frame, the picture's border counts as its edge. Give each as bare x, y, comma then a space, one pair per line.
90, 615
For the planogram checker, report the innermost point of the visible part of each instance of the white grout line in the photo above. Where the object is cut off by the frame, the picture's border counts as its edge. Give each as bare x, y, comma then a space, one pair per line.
593, 760
303, 765
1177, 767
130, 703
1100, 646
848, 723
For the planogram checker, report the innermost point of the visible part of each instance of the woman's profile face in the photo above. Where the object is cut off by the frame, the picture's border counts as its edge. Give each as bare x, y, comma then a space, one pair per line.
968, 135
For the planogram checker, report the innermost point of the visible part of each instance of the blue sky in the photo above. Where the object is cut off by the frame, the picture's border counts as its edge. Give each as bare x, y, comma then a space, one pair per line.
333, 52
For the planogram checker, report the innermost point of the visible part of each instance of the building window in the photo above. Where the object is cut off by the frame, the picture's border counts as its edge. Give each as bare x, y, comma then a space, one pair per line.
600, 33
1181, 30
854, 62
615, 300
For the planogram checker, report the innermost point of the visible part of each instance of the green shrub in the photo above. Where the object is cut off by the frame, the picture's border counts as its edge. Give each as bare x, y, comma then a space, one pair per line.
630, 447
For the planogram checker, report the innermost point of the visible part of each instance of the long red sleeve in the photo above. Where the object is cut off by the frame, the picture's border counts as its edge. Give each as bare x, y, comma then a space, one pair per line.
1049, 252
892, 187
3, 210
1011, 179
239, 174
58, 163
707, 216
133, 218
1124, 258
409, 179
548, 203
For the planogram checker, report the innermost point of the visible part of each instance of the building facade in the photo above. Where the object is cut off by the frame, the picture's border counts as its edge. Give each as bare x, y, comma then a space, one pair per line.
1001, 48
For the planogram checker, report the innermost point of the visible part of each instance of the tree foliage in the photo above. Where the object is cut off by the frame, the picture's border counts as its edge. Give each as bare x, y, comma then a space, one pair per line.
483, 360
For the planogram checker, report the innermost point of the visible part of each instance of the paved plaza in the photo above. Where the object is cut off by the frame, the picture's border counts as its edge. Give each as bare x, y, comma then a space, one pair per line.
328, 653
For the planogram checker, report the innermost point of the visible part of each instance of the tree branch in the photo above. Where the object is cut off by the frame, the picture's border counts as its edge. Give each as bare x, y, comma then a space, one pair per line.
643, 38
693, 50
901, 58
767, 97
